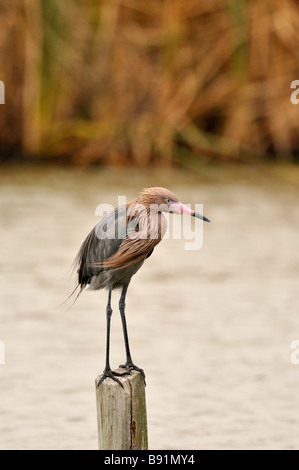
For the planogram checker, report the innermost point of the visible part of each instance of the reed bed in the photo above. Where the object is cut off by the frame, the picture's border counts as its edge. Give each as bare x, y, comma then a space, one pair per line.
123, 82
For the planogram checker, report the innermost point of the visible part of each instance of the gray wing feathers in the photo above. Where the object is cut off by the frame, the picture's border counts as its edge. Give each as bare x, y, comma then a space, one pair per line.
101, 243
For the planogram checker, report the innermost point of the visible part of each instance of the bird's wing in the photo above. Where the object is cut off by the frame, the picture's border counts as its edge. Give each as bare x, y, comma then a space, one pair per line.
101, 243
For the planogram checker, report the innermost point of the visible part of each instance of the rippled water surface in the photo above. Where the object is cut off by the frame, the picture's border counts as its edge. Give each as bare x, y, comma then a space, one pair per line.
212, 328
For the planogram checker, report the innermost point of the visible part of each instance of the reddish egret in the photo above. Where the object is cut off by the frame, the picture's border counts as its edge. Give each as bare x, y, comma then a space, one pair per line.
116, 249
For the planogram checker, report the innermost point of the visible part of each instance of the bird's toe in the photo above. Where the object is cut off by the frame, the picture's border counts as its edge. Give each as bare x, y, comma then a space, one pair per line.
121, 374
108, 373
131, 366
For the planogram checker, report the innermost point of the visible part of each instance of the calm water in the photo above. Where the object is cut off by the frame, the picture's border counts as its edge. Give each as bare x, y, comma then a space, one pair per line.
212, 328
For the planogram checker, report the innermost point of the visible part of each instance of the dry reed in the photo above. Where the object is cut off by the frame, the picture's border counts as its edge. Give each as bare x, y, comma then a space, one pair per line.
130, 82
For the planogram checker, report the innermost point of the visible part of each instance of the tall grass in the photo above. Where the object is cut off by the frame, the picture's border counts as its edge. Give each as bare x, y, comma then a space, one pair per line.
155, 82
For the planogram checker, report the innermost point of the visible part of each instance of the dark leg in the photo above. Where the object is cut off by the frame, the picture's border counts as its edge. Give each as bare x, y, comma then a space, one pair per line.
122, 305
107, 371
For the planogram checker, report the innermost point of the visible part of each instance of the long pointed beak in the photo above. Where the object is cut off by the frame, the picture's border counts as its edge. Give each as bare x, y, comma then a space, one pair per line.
199, 216
180, 209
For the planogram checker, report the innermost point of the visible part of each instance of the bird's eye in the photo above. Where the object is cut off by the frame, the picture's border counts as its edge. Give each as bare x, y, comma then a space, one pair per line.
167, 201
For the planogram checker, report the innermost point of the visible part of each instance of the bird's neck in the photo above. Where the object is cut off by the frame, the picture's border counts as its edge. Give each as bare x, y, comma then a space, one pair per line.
150, 220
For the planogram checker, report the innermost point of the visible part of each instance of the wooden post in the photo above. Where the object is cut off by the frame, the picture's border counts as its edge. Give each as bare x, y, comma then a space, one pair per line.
121, 413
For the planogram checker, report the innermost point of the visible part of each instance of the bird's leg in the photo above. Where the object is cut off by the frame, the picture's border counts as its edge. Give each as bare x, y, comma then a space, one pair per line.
107, 371
129, 363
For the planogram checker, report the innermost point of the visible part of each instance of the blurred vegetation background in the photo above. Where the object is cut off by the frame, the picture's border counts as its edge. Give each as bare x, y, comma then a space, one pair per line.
126, 82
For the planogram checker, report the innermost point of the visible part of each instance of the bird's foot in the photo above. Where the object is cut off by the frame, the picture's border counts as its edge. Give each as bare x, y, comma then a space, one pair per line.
112, 375
131, 366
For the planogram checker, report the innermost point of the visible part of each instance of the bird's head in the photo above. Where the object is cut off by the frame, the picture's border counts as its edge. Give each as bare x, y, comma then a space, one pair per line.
166, 201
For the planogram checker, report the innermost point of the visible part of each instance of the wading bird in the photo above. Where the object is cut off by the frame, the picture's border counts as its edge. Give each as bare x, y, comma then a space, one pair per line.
117, 247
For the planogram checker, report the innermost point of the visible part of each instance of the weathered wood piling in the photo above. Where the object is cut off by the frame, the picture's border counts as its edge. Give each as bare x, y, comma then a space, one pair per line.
121, 413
